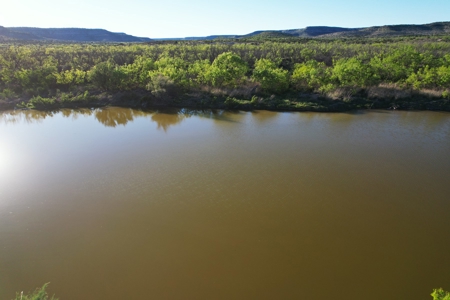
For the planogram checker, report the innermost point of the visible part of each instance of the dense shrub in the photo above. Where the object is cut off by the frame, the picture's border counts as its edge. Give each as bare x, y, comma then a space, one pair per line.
352, 72
228, 69
137, 74
310, 75
271, 78
225, 68
440, 294
107, 76
162, 87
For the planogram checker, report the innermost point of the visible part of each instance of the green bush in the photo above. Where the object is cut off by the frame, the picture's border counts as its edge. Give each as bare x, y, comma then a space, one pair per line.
174, 68
440, 294
137, 74
446, 94
81, 97
198, 72
399, 63
40, 102
310, 75
352, 72
70, 77
227, 70
443, 76
6, 94
271, 78
424, 78
38, 294
162, 87
107, 76
430, 78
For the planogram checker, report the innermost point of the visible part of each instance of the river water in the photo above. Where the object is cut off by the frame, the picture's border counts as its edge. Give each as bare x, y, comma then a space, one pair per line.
122, 204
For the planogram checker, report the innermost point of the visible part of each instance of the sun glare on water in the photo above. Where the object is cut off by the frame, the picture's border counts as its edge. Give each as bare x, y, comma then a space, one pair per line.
5, 161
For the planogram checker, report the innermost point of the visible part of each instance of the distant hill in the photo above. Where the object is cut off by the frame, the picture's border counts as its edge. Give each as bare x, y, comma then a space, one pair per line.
198, 38
10, 35
314, 31
267, 34
66, 34
439, 28
101, 35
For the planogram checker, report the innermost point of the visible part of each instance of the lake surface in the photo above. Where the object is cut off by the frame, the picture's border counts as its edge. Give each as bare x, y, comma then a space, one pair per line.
122, 204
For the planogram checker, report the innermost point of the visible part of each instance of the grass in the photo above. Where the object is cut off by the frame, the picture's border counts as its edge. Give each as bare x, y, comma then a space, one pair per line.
38, 294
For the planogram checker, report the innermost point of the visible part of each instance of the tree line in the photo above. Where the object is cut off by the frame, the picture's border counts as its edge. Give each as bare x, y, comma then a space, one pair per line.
268, 67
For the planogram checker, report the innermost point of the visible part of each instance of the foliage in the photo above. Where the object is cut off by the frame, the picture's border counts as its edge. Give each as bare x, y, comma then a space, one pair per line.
162, 87
70, 77
173, 68
336, 68
310, 75
446, 94
440, 294
107, 76
137, 74
228, 69
6, 93
352, 72
38, 294
271, 78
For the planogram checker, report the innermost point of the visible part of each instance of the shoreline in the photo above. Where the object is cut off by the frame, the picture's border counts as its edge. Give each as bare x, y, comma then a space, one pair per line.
304, 102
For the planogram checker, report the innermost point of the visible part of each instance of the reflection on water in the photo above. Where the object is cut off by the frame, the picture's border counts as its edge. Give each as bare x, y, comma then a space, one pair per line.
165, 118
115, 116
28, 116
116, 203
262, 116
111, 117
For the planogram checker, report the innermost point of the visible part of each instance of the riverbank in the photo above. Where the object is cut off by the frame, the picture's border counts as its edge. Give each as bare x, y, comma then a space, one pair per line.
288, 102
302, 76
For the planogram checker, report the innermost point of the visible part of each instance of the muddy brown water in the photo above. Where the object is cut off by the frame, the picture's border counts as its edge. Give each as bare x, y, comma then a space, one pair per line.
123, 204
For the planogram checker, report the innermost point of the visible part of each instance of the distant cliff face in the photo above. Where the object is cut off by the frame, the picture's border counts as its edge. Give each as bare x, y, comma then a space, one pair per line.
66, 34
6, 34
439, 28
313, 31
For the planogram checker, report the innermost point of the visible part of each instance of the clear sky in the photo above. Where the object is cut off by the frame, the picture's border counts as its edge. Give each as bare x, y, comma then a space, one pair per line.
178, 18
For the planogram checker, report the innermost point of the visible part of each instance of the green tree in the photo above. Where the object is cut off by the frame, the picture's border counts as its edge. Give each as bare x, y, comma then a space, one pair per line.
352, 72
71, 77
107, 76
198, 71
174, 68
137, 73
228, 69
443, 76
399, 63
271, 78
310, 75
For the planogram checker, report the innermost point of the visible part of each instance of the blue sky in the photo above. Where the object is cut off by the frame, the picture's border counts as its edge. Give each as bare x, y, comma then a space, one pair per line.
176, 18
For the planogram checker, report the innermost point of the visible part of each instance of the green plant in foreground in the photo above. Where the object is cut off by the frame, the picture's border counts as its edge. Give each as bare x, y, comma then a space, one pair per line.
38, 294
41, 294
440, 294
